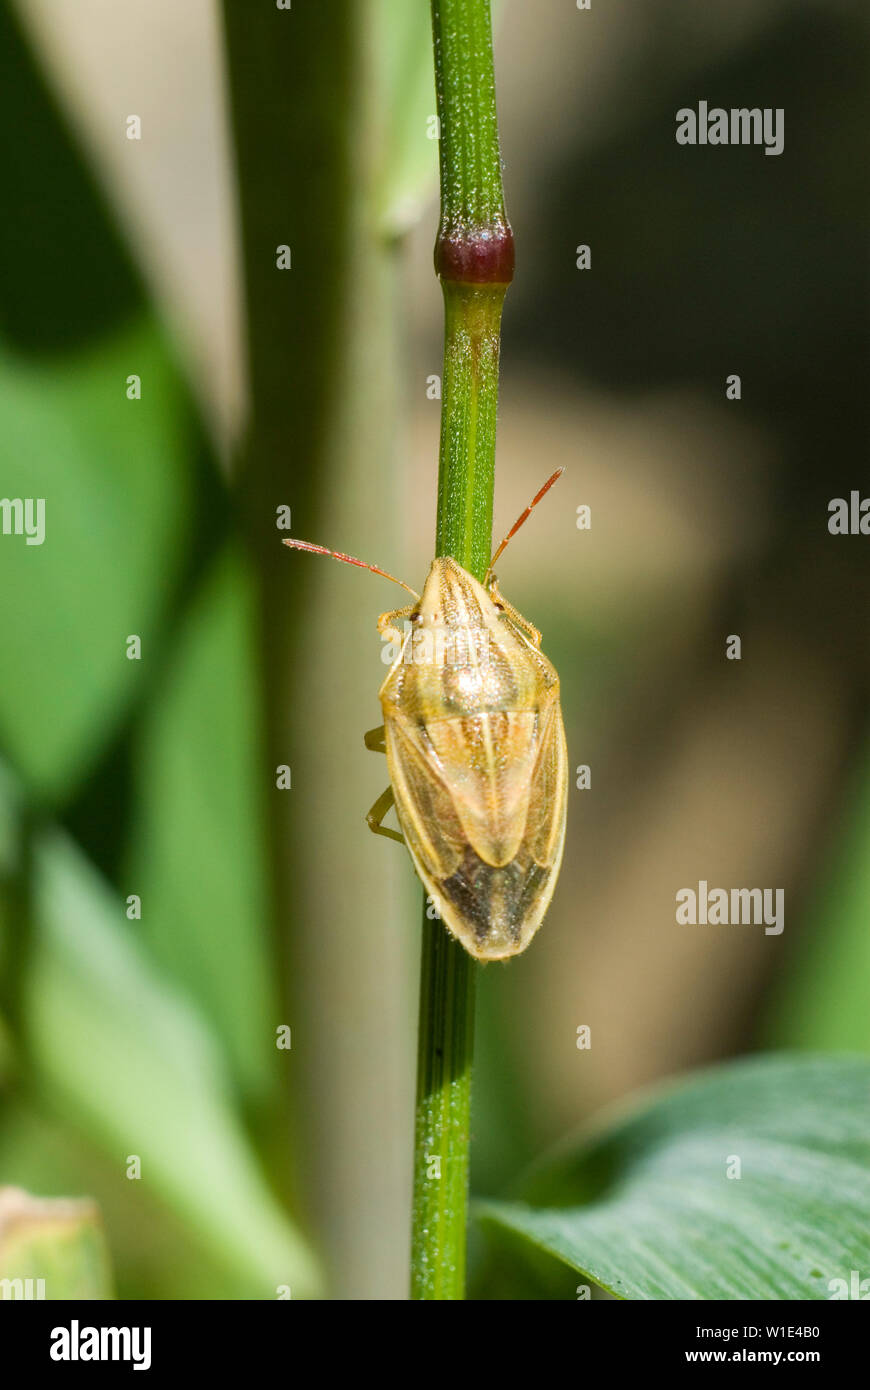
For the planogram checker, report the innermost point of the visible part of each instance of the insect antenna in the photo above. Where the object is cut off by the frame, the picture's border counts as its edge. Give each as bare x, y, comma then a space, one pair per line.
348, 560
524, 516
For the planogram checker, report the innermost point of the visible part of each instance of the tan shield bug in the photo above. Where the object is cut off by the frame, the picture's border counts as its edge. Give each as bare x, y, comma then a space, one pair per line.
476, 752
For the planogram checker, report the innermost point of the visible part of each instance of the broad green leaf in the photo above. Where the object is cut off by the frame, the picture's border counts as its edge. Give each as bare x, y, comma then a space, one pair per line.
128, 1059
821, 998
115, 481
199, 861
115, 474
645, 1207
66, 278
56, 1243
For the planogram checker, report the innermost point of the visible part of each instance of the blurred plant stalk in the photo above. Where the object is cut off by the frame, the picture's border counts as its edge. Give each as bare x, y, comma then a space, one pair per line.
309, 117
474, 258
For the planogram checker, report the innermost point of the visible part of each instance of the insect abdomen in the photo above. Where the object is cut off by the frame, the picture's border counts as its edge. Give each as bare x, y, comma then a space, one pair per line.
484, 819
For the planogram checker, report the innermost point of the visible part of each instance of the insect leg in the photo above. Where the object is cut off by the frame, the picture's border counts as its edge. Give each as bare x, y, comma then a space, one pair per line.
515, 616
375, 740
377, 813
387, 622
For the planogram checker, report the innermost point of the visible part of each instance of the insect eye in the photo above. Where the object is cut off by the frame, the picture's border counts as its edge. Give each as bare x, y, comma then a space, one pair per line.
500, 607
415, 617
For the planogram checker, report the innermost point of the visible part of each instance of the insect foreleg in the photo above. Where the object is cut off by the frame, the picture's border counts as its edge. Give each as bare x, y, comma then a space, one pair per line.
387, 622
379, 810
515, 616
375, 740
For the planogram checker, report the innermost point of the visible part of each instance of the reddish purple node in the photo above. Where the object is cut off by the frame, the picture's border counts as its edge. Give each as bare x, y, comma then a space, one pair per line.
476, 255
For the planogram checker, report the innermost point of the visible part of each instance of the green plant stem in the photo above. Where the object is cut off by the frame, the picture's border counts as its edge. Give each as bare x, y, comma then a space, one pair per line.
466, 473
474, 258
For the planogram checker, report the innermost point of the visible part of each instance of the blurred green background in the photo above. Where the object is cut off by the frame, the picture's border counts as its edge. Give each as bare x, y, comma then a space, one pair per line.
155, 1036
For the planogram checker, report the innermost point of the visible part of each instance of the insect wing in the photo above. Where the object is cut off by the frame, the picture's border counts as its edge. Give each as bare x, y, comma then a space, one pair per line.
548, 800
423, 803
488, 761
494, 908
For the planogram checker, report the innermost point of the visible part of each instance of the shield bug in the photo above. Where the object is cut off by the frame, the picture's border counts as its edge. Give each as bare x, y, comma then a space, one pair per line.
476, 752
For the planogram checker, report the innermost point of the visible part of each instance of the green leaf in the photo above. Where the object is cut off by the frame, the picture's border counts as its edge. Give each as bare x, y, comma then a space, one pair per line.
115, 475
115, 478
409, 174
66, 278
57, 1241
200, 866
645, 1207
410, 167
125, 1056
820, 999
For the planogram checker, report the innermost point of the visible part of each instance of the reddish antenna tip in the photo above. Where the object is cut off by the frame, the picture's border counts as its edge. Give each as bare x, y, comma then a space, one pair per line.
347, 560
524, 516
